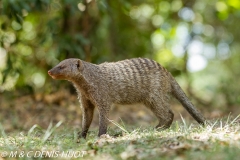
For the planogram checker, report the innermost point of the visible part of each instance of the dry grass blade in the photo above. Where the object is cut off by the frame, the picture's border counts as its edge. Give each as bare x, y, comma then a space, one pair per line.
119, 126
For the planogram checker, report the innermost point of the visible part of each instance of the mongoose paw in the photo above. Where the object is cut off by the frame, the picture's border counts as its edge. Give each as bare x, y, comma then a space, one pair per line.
104, 136
78, 140
81, 139
161, 127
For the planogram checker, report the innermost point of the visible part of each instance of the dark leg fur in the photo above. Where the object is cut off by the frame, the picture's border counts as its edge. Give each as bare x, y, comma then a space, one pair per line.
164, 124
103, 121
87, 116
162, 112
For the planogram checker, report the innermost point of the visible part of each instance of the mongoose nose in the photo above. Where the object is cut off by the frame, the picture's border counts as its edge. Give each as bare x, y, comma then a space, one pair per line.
49, 72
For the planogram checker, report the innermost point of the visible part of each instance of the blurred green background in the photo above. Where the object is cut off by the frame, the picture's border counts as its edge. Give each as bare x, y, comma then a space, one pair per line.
196, 40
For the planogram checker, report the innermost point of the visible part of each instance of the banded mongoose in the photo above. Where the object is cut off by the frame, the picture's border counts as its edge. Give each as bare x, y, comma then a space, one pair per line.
137, 80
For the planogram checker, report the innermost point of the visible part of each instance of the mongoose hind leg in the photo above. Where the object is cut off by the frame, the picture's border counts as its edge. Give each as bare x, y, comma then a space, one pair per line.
87, 116
162, 112
165, 123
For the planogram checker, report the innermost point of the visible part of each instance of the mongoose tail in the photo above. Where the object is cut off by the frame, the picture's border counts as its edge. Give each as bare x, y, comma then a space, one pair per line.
178, 93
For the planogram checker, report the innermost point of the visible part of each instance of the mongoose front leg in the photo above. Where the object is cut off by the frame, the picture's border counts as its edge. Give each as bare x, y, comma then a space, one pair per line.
87, 116
103, 120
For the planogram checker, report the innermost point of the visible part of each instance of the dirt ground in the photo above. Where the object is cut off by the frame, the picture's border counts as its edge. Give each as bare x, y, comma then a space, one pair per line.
21, 113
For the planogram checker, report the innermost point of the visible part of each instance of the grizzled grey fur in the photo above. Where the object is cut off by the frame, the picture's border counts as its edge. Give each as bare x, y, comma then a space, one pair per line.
137, 80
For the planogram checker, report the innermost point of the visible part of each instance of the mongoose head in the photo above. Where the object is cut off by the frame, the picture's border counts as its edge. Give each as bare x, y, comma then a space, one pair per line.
67, 69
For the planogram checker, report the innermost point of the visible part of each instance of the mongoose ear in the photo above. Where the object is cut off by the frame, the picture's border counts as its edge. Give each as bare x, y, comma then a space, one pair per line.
79, 65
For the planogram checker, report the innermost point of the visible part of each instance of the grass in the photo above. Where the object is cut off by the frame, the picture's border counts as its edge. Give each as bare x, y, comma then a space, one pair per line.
218, 140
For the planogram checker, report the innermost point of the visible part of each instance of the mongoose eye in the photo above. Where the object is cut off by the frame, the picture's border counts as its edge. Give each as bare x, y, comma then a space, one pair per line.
61, 67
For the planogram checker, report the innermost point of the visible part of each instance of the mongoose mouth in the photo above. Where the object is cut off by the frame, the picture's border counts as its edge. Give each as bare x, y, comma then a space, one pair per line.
54, 76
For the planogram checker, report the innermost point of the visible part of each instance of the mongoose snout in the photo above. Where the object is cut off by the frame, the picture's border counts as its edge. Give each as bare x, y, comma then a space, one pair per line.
50, 73
56, 73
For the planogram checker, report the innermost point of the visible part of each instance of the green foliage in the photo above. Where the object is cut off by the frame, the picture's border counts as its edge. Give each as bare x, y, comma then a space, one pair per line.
35, 35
